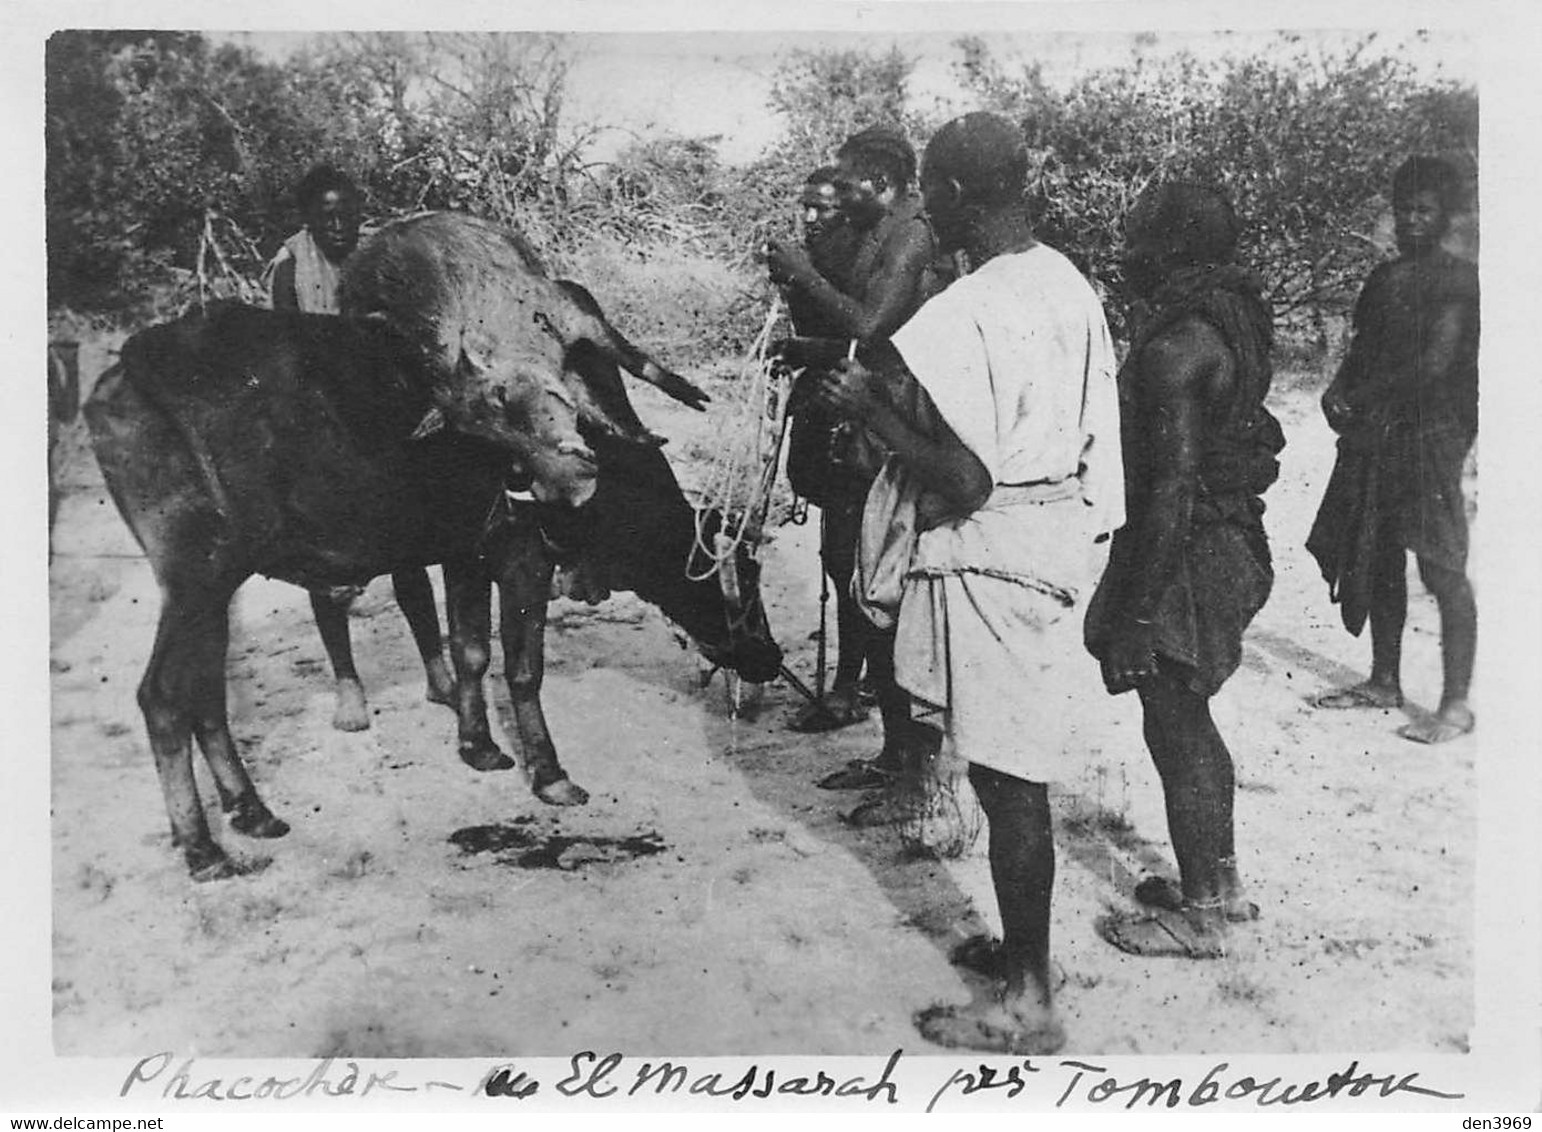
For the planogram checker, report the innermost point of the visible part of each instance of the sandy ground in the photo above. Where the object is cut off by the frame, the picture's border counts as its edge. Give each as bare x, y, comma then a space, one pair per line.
709, 900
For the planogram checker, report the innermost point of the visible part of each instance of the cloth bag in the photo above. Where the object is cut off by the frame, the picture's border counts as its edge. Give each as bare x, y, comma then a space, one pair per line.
886, 543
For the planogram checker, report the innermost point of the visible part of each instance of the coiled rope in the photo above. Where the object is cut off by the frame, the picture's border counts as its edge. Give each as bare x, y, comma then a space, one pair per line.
743, 474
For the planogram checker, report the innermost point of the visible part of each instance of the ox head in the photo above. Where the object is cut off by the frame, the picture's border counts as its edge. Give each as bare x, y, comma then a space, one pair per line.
734, 631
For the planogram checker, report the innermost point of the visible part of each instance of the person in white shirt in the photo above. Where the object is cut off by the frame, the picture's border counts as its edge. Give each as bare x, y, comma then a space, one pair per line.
998, 403
304, 274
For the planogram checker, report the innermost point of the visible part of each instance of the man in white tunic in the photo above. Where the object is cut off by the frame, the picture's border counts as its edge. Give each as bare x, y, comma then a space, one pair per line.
304, 275
998, 402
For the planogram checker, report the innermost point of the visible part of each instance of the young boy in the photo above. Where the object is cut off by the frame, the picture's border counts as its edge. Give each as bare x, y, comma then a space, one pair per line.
1405, 406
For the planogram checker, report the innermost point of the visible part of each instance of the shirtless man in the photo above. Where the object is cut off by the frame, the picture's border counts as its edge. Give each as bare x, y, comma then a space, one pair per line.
822, 464
998, 398
1405, 406
1191, 567
892, 273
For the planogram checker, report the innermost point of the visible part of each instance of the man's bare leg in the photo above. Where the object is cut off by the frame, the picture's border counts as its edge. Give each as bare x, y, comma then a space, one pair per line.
330, 608
1022, 858
1458, 648
415, 597
1388, 614
1199, 789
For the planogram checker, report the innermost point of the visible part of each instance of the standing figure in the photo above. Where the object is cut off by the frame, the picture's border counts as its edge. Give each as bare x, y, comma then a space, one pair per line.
823, 465
892, 274
998, 404
1405, 406
304, 276
1191, 567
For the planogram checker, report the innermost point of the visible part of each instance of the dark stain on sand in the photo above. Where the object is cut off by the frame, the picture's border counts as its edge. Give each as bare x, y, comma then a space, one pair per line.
516, 843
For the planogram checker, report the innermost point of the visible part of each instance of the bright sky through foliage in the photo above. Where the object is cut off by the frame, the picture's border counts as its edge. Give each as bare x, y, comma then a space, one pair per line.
714, 84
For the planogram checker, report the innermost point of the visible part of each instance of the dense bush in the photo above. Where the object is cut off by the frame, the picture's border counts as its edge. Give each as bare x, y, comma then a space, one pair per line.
1303, 142
156, 140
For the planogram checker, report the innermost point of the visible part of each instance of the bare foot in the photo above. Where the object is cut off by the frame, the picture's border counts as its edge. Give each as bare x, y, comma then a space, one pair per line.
1023, 1029
1194, 933
1450, 722
1162, 892
840, 708
351, 713
1370, 694
985, 955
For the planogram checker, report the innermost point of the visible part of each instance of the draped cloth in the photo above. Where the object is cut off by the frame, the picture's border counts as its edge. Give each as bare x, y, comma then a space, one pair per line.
1398, 476
1224, 572
1017, 359
316, 277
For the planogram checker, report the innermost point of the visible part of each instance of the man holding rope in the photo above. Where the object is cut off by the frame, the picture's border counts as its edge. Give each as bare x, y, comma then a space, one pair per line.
892, 274
824, 462
999, 406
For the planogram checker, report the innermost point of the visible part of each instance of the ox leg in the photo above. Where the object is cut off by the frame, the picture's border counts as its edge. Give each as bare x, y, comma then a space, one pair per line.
331, 612
468, 600
524, 587
167, 696
415, 597
211, 727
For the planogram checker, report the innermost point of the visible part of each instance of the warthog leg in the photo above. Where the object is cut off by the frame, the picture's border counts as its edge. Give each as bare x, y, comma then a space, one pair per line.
524, 572
468, 597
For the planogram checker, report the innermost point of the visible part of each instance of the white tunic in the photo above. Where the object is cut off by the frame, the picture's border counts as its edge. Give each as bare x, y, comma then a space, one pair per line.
1018, 360
315, 276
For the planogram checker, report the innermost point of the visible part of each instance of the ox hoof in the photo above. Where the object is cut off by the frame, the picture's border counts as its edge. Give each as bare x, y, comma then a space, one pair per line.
351, 713
254, 819
483, 754
563, 792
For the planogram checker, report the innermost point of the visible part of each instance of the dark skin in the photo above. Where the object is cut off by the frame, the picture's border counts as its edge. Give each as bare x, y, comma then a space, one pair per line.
1420, 223
888, 297
333, 220
1021, 843
822, 216
1178, 375
821, 208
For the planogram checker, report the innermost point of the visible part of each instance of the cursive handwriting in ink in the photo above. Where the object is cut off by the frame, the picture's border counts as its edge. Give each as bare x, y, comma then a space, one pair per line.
181, 1085
984, 1079
668, 1077
579, 1084
506, 1081
1215, 1086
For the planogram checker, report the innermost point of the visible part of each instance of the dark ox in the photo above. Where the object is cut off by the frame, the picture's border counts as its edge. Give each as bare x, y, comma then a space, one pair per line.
241, 441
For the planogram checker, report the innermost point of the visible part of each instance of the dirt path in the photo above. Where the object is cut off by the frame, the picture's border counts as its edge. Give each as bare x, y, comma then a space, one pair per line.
709, 900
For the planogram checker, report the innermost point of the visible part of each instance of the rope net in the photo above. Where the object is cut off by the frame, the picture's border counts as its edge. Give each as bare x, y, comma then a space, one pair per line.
741, 482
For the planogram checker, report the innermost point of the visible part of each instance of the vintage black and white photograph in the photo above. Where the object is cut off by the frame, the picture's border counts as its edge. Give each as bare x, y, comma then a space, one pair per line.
807, 540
